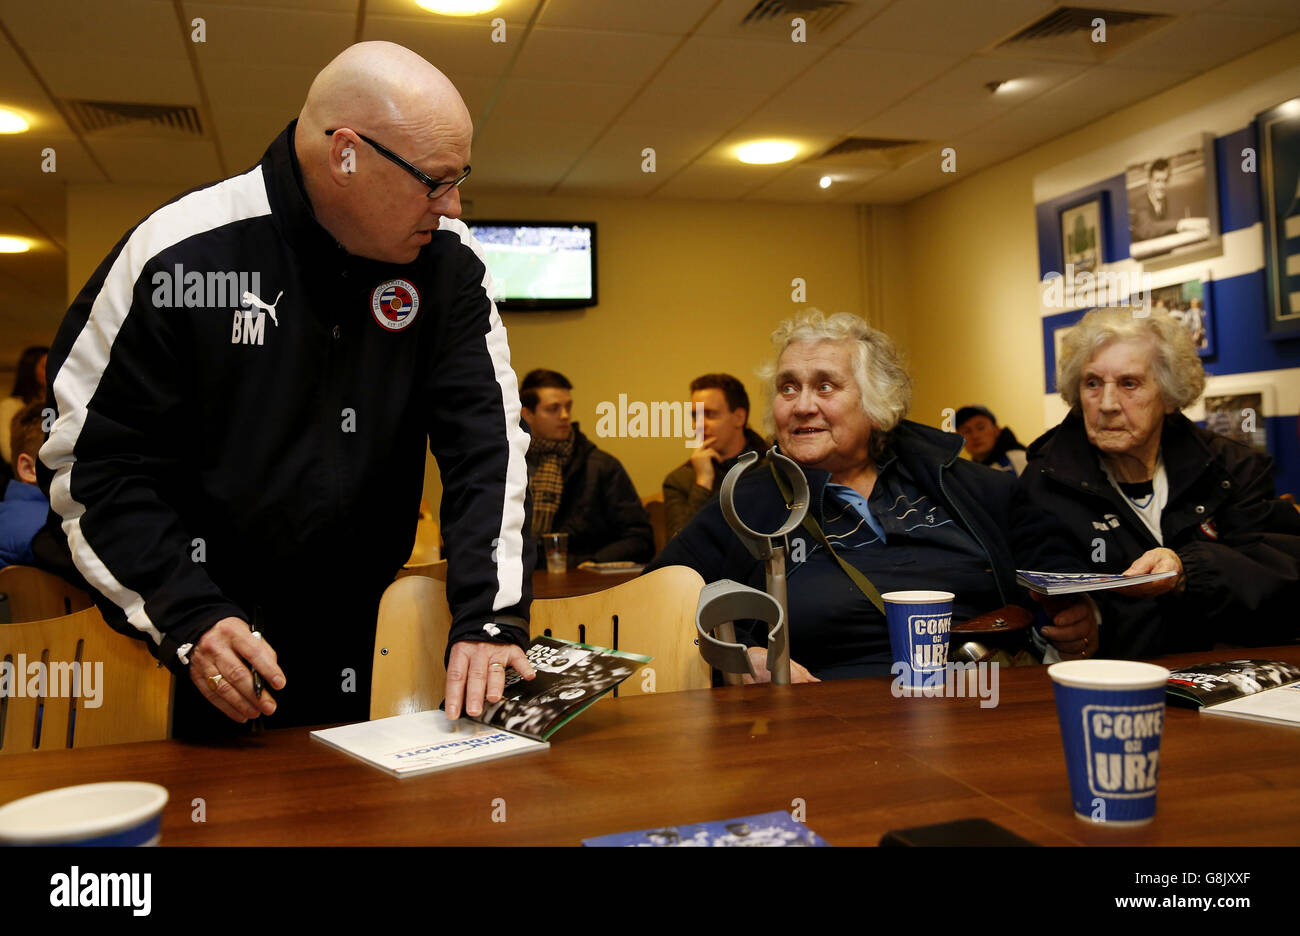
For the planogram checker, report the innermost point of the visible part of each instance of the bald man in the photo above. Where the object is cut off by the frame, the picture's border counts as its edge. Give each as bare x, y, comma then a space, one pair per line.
244, 389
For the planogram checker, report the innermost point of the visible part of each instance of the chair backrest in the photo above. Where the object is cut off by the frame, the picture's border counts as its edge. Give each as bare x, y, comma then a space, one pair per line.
73, 681
652, 615
35, 595
654, 506
410, 640
428, 539
436, 569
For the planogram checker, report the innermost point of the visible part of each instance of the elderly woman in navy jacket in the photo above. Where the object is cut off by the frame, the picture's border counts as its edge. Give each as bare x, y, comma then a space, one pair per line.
1138, 488
893, 498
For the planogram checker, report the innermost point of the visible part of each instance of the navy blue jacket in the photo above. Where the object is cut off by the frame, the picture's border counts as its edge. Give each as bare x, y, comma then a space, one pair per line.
982, 501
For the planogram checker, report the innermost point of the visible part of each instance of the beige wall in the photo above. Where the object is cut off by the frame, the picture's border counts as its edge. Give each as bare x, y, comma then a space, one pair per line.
972, 258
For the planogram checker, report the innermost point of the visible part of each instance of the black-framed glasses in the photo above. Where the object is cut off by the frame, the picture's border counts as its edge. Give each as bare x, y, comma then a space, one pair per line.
436, 187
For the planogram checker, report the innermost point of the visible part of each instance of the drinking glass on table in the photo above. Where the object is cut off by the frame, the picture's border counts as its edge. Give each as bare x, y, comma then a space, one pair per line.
557, 552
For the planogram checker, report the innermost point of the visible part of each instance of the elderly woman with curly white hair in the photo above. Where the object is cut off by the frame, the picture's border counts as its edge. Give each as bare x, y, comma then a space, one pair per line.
892, 498
1136, 487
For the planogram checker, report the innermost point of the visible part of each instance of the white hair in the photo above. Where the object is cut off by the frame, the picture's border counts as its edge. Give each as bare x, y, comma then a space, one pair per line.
1175, 365
884, 387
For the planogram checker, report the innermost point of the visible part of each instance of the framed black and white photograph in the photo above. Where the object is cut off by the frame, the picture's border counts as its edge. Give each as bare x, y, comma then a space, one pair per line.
1081, 236
1172, 202
1279, 181
1189, 303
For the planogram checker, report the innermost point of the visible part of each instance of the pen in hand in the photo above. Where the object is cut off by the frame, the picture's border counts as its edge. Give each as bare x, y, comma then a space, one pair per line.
257, 677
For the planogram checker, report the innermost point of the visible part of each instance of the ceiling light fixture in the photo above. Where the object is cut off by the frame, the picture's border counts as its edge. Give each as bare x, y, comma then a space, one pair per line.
14, 244
766, 152
1002, 87
458, 7
11, 122
825, 181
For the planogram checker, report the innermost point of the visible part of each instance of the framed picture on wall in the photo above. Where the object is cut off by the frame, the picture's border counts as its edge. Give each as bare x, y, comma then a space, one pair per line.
1173, 205
1189, 303
1238, 416
1278, 131
1081, 235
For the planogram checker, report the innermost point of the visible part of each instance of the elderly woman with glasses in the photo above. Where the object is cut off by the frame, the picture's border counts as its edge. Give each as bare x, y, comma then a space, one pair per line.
1137, 488
892, 497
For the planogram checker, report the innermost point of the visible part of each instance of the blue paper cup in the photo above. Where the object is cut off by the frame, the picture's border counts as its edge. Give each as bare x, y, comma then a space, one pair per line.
1112, 714
117, 813
919, 625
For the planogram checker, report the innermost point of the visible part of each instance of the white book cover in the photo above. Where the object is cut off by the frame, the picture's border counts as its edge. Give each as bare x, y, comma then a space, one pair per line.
1280, 706
422, 742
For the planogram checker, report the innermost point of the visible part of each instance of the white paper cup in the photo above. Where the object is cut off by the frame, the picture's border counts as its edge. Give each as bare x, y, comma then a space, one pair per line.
123, 812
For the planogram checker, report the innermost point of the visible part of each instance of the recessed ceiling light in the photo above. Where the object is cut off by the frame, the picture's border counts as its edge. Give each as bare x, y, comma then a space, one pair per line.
1004, 87
458, 7
766, 152
11, 122
825, 181
14, 244
1290, 108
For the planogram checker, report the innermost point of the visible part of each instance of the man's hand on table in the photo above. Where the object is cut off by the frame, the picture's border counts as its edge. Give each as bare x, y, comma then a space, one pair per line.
476, 669
758, 656
227, 650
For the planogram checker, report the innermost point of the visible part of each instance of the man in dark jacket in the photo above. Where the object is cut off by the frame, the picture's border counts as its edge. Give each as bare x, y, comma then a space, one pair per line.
576, 488
959, 527
725, 436
244, 390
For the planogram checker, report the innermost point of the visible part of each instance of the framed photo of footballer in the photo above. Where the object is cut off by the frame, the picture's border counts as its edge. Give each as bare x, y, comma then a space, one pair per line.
1081, 236
1173, 205
1278, 130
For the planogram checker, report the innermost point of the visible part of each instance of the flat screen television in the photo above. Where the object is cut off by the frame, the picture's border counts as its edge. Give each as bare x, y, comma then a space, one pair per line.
540, 264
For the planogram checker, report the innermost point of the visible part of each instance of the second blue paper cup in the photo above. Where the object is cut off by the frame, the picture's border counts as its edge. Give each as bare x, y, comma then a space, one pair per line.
919, 625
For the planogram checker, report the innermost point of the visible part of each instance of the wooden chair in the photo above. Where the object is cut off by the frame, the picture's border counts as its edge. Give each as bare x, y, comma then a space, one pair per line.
125, 695
36, 595
654, 506
652, 615
428, 538
408, 672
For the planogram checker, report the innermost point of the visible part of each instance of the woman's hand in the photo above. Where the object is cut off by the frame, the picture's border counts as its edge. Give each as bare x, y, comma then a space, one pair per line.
1073, 630
758, 656
1155, 560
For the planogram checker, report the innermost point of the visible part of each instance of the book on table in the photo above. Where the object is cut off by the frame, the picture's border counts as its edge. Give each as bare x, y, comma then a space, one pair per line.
1261, 690
767, 830
570, 677
1072, 583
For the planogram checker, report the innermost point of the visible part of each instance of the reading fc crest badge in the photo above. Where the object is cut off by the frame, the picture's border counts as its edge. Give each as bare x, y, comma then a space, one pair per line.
394, 304
1210, 530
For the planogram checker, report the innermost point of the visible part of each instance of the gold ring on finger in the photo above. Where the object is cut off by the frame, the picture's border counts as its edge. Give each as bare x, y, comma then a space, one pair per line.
216, 681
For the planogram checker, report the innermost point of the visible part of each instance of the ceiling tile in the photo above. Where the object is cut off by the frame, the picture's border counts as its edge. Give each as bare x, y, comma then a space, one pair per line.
1276, 9
512, 11
281, 88
125, 28
1203, 40
571, 101
1026, 80
157, 162
671, 17
525, 152
716, 183
913, 119
134, 79
695, 108
957, 26
746, 65
589, 55
800, 184
1106, 88
726, 20
455, 48
316, 37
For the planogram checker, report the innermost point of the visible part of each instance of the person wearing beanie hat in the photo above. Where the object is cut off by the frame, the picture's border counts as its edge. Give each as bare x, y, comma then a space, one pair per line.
988, 443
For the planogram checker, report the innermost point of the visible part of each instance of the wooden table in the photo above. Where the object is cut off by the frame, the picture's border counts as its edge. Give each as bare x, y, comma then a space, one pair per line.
576, 582
862, 762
